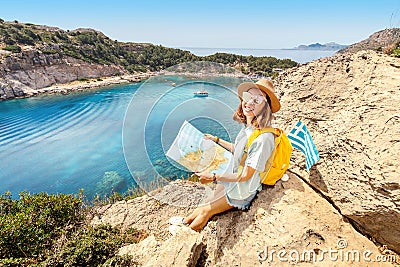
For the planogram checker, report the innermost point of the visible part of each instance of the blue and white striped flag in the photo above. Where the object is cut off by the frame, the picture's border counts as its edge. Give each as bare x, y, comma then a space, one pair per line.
301, 139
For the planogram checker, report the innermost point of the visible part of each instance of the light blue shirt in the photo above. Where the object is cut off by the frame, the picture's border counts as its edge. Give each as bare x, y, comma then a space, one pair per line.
259, 152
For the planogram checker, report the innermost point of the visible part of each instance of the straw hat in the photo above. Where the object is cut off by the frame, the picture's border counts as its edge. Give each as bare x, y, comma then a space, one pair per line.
264, 85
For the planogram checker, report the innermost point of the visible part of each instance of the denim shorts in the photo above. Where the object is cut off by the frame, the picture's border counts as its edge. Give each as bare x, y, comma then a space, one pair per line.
243, 204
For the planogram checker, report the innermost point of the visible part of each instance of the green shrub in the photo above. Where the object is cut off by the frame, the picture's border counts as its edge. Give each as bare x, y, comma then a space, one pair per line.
50, 230
120, 261
8, 40
29, 226
17, 262
396, 51
49, 51
30, 34
93, 246
13, 48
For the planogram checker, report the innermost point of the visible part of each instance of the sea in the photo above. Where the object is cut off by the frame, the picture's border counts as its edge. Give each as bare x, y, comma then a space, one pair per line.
114, 138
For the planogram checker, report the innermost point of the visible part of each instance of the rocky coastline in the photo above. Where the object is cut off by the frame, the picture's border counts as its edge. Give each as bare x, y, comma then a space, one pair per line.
87, 84
32, 73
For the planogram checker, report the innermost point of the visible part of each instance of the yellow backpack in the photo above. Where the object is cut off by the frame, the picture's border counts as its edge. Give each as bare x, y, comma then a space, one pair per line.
278, 162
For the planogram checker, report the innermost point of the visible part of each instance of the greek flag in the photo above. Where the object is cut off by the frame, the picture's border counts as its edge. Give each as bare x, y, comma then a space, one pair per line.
301, 139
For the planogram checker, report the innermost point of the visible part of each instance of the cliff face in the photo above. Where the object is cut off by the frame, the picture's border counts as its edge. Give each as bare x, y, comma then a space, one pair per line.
24, 73
350, 103
377, 41
37, 56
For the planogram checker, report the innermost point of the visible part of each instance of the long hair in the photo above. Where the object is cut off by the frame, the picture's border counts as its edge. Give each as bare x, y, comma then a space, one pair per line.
260, 121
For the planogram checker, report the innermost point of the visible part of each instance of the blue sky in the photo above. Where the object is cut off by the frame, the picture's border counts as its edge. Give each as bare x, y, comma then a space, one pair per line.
229, 24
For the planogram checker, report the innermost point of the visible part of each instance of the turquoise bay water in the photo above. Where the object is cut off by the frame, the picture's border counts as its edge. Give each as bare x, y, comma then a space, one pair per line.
153, 120
64, 143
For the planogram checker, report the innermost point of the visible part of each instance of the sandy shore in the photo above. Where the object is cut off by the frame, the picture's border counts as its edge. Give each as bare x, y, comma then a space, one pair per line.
91, 83
85, 84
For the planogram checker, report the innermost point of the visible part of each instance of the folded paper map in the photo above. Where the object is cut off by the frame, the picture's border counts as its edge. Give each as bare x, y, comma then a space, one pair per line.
191, 150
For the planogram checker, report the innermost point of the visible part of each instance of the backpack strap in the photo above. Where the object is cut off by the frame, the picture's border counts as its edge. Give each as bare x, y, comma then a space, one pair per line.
257, 132
253, 137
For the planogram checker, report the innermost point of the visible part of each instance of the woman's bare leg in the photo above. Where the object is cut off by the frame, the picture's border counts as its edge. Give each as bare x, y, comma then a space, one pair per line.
217, 205
218, 192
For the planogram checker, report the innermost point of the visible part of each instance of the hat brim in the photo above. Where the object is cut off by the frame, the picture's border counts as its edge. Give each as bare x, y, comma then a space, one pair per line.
246, 86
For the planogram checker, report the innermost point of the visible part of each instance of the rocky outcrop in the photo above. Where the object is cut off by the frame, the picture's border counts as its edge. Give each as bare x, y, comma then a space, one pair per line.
25, 73
350, 103
348, 202
377, 41
289, 217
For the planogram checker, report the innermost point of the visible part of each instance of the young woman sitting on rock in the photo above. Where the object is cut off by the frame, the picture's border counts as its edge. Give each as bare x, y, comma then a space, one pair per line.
237, 188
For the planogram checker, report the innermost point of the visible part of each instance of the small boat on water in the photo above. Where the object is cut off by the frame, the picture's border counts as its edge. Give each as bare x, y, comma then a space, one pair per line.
201, 93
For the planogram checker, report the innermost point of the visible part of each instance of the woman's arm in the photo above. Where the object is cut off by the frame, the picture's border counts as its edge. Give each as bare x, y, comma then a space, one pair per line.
228, 146
206, 177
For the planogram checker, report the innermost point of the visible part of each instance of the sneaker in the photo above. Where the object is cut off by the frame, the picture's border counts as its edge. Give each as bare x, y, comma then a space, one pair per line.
174, 229
285, 178
177, 220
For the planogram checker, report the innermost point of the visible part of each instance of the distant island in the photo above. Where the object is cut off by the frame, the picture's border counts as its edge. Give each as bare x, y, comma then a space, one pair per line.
332, 46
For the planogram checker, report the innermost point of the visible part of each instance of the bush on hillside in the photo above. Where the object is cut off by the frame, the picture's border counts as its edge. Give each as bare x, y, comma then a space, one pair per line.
13, 48
95, 47
29, 226
93, 246
50, 230
396, 50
